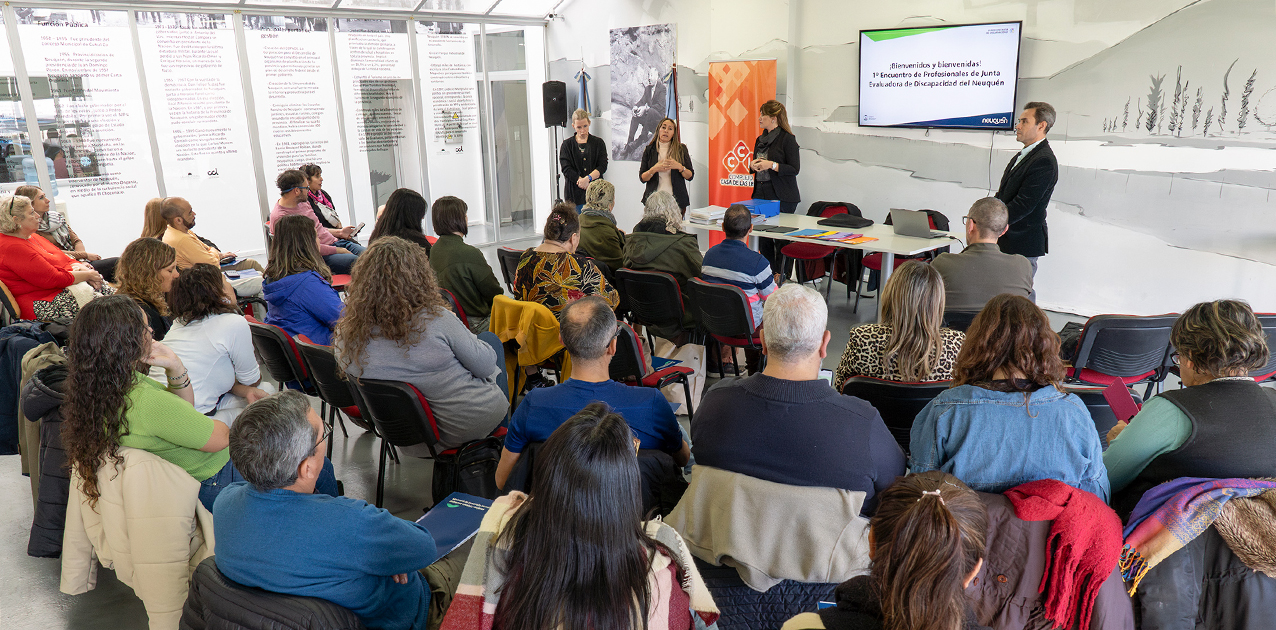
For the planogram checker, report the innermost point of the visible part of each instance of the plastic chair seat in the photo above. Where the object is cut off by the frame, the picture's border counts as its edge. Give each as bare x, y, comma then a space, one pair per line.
658, 378
340, 280
1099, 378
807, 251
874, 261
352, 411
742, 342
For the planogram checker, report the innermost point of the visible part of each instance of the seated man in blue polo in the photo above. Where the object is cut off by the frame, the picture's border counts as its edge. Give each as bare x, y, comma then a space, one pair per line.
588, 329
272, 533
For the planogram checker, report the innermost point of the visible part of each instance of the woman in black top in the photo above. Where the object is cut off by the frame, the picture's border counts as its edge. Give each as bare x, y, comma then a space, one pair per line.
404, 213
582, 158
775, 166
326, 210
666, 165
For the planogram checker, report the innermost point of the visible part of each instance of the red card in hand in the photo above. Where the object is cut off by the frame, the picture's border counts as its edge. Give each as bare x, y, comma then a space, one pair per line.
1121, 402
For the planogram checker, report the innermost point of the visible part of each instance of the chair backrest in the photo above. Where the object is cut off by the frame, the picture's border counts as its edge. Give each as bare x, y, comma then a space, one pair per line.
213, 595
722, 309
654, 298
959, 320
627, 364
1268, 321
401, 414
1125, 346
11, 310
520, 478
508, 257
826, 209
898, 403
321, 363
455, 306
279, 352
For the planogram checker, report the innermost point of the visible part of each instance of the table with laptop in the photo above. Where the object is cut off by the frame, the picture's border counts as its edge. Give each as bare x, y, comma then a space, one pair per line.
909, 235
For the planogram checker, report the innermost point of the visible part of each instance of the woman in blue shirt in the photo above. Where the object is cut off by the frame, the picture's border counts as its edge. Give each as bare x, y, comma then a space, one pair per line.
1007, 420
299, 283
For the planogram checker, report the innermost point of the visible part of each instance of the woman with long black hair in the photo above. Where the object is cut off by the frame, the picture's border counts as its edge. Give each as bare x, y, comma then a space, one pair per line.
403, 217
575, 554
775, 169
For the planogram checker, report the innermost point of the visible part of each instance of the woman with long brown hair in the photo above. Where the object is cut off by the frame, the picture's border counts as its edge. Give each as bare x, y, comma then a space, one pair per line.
1007, 420
910, 343
397, 326
666, 164
298, 284
146, 271
775, 167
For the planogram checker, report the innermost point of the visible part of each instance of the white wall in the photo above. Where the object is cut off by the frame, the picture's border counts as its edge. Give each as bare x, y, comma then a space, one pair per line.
1140, 222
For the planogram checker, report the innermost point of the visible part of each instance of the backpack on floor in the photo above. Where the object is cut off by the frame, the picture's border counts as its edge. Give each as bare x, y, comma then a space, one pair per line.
471, 470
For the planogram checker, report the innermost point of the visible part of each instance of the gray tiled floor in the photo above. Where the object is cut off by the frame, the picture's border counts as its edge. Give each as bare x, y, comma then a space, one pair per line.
30, 597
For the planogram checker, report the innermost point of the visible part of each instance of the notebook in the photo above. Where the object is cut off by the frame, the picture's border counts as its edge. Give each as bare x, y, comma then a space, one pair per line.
454, 520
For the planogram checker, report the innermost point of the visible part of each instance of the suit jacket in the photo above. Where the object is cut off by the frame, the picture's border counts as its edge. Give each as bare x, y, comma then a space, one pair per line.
783, 151
1026, 190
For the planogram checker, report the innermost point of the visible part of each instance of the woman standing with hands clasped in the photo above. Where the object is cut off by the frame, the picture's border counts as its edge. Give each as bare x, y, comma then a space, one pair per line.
775, 168
582, 158
666, 165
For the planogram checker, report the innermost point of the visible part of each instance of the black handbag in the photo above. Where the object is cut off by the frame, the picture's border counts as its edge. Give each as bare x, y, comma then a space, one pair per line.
470, 470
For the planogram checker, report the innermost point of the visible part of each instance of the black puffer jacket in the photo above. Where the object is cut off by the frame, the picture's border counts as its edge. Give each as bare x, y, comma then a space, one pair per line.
42, 400
216, 602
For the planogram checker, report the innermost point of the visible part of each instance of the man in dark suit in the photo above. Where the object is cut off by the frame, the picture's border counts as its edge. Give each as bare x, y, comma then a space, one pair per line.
1027, 184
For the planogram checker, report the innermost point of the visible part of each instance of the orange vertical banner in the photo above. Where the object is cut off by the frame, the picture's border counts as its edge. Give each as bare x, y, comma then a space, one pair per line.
736, 90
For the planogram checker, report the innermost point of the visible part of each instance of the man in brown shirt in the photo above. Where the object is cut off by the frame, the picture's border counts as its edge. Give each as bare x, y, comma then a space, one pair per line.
982, 271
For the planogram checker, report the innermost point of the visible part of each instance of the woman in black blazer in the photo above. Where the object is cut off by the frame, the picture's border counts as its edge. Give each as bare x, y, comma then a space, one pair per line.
775, 166
582, 159
666, 165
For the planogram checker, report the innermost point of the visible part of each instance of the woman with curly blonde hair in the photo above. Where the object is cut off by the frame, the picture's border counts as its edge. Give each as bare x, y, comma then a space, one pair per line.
397, 326
146, 271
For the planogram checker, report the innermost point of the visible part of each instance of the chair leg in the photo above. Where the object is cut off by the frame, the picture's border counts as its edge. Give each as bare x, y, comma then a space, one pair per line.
858, 281
385, 446
717, 347
341, 419
330, 440
686, 387
734, 361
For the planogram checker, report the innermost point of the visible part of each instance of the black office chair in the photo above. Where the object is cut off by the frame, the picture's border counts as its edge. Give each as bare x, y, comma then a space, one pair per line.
654, 299
278, 350
508, 257
455, 306
326, 376
216, 601
724, 312
1127, 348
959, 320
898, 403
628, 364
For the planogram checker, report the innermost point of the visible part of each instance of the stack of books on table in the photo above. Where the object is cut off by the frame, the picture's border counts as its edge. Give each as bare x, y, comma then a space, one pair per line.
706, 216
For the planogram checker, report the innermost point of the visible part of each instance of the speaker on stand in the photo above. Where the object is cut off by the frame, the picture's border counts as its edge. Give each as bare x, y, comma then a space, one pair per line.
554, 95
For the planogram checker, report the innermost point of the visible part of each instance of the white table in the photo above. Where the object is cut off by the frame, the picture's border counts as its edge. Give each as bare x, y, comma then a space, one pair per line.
888, 242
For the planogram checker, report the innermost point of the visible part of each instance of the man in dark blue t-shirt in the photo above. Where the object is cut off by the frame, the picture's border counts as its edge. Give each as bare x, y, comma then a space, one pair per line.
588, 328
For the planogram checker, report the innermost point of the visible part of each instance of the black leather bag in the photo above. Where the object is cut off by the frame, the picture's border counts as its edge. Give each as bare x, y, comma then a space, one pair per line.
471, 470
846, 221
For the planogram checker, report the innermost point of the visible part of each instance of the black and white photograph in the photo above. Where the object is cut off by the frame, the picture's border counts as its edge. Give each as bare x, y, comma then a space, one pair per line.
640, 57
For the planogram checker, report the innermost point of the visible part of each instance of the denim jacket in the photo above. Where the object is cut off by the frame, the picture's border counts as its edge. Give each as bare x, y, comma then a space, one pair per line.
993, 441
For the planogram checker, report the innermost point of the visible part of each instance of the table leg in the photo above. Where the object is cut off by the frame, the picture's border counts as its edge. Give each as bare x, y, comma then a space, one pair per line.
888, 267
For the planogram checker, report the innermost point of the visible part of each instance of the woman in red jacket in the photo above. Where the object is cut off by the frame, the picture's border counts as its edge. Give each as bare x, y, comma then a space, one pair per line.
38, 274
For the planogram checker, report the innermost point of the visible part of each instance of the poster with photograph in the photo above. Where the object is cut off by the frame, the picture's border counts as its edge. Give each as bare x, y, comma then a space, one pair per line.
296, 99
640, 57
197, 101
88, 101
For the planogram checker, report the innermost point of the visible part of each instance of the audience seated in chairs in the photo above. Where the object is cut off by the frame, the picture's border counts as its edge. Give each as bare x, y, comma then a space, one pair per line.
146, 272
179, 218
909, 345
981, 271
214, 343
1221, 424
294, 200
659, 244
46, 283
732, 262
397, 327
598, 232
576, 552
110, 404
1007, 420
298, 286
403, 217
277, 533
55, 228
326, 210
589, 328
947, 557
786, 425
553, 274
461, 268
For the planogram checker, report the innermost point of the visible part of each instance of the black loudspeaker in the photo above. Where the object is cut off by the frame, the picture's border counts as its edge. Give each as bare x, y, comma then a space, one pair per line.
555, 95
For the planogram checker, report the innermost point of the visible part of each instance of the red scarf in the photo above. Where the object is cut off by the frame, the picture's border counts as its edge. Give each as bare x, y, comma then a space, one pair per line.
1082, 548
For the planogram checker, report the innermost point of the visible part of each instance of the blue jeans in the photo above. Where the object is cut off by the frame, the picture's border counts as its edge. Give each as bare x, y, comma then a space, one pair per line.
340, 263
503, 379
354, 247
211, 487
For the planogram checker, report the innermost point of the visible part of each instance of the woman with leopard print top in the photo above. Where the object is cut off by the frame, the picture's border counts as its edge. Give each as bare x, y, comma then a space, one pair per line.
909, 345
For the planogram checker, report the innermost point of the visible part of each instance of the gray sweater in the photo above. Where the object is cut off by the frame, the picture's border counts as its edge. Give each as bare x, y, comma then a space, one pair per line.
453, 369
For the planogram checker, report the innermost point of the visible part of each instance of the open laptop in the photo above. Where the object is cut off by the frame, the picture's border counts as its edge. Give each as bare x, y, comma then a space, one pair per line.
913, 223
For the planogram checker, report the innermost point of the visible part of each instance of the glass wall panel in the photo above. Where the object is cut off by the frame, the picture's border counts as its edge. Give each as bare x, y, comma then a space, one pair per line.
15, 144
381, 124
468, 6
389, 5
296, 99
84, 80
536, 8
197, 100
515, 60
450, 100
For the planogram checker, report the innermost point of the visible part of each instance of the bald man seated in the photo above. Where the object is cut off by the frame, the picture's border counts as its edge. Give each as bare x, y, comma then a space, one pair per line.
982, 271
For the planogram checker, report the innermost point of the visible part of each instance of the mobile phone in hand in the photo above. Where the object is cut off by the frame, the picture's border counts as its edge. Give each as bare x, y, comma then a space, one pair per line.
357, 229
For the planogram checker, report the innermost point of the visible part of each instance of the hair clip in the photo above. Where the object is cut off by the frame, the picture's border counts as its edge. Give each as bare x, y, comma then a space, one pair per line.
935, 493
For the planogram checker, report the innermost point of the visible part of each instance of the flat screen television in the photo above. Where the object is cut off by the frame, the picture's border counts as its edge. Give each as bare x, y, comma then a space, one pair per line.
961, 76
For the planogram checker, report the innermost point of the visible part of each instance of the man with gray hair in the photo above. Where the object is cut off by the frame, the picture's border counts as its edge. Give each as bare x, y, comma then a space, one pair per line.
1027, 184
982, 271
787, 425
274, 534
589, 331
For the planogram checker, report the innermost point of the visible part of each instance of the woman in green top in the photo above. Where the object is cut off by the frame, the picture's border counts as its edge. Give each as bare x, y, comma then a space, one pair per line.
460, 267
110, 403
